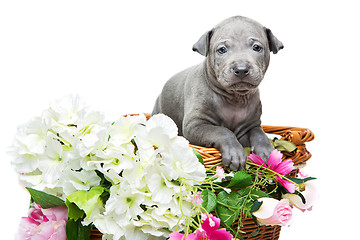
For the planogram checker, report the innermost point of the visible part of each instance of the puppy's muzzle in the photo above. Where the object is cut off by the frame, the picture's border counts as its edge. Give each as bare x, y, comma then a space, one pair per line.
240, 70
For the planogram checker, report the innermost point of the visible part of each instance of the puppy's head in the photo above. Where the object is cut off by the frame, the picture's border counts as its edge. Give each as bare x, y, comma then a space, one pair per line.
238, 53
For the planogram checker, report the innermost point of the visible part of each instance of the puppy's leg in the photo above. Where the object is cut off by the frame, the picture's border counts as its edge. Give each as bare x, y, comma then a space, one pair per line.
260, 143
233, 154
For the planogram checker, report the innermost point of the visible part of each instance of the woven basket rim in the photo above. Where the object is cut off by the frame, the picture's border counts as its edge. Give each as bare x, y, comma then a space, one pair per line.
298, 136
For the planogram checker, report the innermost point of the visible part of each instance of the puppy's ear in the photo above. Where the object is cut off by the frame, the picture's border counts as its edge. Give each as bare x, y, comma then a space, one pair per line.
203, 44
274, 44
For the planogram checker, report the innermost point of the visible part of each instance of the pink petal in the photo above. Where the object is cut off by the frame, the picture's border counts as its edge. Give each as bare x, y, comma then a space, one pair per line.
200, 233
27, 227
274, 159
257, 160
60, 212
60, 231
285, 167
220, 234
288, 185
198, 198
220, 174
302, 174
45, 231
176, 236
180, 236
210, 226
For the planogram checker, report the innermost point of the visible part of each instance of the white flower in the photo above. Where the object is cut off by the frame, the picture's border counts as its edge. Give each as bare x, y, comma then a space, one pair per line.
135, 233
30, 138
24, 163
51, 163
29, 143
70, 148
31, 179
228, 190
181, 163
135, 176
83, 180
69, 110
110, 158
158, 131
162, 190
122, 131
107, 225
96, 139
124, 201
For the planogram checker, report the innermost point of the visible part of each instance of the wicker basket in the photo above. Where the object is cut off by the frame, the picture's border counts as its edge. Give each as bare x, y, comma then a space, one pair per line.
212, 156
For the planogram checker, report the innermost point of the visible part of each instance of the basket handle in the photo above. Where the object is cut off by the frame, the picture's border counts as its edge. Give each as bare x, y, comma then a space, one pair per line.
298, 136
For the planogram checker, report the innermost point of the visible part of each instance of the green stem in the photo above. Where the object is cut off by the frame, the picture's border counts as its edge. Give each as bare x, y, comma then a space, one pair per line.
218, 164
228, 206
60, 137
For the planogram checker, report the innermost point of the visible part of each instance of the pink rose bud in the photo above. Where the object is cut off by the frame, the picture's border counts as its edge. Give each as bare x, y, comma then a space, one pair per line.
44, 224
310, 194
273, 212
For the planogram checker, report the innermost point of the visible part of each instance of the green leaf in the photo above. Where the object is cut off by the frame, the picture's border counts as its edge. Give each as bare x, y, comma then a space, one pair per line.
209, 198
283, 145
247, 151
240, 180
256, 206
76, 231
301, 180
199, 157
228, 207
45, 200
87, 200
74, 212
254, 233
256, 193
301, 196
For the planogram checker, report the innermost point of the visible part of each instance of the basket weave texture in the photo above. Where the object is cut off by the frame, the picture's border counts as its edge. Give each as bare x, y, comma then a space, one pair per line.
212, 156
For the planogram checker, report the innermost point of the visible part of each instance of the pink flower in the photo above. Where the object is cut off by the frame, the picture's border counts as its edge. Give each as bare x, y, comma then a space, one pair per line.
43, 224
198, 198
277, 165
208, 230
273, 212
220, 174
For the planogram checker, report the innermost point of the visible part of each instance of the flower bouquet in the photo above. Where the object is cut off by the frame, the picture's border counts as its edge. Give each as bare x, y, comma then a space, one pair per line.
135, 178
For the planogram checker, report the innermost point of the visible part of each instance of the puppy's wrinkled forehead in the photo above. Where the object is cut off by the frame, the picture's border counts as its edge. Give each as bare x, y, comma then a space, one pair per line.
238, 29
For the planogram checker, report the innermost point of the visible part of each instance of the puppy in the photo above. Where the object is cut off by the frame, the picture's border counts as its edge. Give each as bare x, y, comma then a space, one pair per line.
216, 103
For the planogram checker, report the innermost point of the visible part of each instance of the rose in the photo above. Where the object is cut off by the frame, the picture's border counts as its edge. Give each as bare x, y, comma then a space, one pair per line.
309, 192
43, 224
273, 212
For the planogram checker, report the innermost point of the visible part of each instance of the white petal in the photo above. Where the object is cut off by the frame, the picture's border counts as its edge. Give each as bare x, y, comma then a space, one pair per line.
163, 124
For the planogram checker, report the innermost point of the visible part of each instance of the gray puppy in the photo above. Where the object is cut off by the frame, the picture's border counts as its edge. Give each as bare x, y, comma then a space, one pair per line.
216, 103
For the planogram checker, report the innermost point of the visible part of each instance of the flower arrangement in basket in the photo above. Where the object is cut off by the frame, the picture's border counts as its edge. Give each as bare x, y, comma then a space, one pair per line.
135, 178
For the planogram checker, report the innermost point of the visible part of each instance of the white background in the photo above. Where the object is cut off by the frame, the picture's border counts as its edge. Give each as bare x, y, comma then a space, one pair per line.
117, 56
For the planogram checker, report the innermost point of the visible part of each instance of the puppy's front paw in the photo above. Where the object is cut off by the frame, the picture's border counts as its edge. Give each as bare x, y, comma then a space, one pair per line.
264, 152
233, 157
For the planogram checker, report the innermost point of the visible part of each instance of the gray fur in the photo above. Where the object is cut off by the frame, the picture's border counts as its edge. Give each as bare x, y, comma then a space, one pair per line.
216, 103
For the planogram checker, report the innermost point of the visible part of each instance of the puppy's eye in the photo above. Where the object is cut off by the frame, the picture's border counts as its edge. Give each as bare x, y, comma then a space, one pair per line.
256, 48
222, 50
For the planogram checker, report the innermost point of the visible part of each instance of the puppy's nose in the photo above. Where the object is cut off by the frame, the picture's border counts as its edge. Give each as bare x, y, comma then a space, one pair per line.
240, 70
